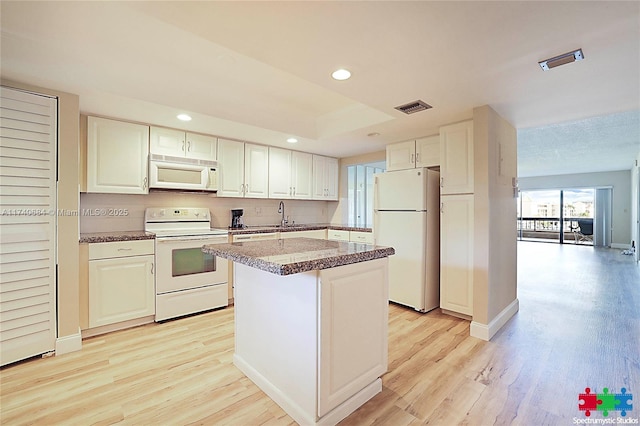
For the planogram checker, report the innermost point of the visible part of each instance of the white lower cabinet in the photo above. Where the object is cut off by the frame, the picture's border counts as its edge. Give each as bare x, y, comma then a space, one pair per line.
337, 235
456, 253
121, 281
320, 234
361, 237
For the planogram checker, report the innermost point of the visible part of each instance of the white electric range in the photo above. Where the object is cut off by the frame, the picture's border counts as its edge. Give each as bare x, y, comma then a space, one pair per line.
187, 280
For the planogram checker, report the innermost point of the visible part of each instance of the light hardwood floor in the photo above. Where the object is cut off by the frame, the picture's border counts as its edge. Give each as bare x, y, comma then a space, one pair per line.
578, 326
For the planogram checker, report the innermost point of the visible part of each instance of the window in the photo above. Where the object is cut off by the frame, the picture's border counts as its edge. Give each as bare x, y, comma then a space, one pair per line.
360, 192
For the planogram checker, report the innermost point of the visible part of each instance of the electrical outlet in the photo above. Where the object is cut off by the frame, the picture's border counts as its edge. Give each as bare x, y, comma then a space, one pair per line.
258, 211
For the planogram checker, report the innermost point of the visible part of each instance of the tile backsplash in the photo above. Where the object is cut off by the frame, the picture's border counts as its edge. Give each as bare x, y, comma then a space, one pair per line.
121, 212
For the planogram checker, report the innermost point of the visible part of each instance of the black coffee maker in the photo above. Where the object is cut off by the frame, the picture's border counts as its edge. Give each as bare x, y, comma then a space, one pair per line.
237, 222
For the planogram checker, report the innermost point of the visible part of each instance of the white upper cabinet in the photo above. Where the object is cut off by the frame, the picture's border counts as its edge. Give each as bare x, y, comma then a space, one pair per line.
231, 159
280, 185
178, 143
428, 151
256, 171
117, 156
302, 175
325, 178
290, 174
423, 152
401, 156
456, 158
244, 169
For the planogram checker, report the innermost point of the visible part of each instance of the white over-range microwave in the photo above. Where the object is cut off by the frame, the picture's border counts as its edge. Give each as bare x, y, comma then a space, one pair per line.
166, 172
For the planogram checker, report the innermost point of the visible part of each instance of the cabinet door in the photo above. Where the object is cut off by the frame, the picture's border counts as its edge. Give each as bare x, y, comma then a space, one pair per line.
231, 162
401, 156
117, 157
353, 328
280, 185
456, 158
256, 171
325, 178
319, 168
331, 178
456, 253
201, 147
302, 175
428, 151
120, 289
165, 141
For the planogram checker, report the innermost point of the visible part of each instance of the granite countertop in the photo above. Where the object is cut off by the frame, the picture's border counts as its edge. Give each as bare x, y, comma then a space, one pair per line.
107, 237
295, 255
263, 229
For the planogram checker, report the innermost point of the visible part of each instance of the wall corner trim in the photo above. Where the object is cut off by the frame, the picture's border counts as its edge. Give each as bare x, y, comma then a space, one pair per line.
486, 332
71, 343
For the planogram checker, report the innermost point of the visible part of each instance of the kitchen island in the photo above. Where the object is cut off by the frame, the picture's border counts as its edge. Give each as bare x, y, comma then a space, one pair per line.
311, 322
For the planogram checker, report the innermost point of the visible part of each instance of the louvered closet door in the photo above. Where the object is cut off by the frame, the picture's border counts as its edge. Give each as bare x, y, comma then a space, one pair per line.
28, 140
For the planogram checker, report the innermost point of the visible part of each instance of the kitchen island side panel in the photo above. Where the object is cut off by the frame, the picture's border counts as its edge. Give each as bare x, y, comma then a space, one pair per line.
276, 336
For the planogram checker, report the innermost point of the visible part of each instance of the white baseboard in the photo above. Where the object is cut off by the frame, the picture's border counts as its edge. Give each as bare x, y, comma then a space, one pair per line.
620, 246
487, 331
67, 344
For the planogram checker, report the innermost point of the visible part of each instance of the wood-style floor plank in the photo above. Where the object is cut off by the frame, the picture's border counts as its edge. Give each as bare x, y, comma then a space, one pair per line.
577, 327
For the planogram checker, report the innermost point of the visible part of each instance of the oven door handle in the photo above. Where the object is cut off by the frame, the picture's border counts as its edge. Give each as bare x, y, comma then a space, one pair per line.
211, 240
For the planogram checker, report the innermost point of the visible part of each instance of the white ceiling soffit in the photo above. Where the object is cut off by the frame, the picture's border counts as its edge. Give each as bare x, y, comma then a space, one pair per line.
260, 71
599, 144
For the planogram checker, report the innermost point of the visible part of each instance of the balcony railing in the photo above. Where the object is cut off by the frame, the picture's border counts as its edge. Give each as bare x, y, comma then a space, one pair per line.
547, 228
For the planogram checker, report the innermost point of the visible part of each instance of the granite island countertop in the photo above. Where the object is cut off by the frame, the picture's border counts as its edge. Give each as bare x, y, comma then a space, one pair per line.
295, 255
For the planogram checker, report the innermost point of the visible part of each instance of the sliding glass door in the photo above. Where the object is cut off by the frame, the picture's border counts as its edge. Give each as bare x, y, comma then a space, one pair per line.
559, 216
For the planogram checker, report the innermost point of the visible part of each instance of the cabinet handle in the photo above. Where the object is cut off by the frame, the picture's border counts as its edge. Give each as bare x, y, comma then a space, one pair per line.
189, 146
246, 188
441, 182
290, 191
152, 269
242, 188
183, 146
417, 157
441, 207
144, 183
124, 249
294, 191
412, 159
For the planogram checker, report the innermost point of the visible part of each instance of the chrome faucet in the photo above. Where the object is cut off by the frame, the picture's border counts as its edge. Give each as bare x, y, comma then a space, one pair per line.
283, 221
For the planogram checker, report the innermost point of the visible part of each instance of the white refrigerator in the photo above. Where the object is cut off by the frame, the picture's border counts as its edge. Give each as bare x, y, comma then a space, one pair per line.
407, 218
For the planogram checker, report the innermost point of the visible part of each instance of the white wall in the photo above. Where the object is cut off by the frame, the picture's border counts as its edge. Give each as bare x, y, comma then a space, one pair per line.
256, 211
620, 181
635, 206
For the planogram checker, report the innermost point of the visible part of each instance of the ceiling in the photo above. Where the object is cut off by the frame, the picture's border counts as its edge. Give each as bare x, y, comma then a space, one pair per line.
260, 71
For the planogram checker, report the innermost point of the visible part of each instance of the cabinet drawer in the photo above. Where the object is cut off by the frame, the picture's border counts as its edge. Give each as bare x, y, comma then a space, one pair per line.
120, 249
255, 237
361, 237
337, 235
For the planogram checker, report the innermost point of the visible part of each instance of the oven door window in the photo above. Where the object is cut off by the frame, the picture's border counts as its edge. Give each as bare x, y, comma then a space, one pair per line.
191, 261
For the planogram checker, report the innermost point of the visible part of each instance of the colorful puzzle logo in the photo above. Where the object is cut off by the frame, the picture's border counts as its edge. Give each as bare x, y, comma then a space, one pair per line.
605, 402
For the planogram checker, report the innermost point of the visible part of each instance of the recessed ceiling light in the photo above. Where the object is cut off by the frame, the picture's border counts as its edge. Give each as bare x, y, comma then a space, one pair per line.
565, 58
292, 140
341, 74
184, 117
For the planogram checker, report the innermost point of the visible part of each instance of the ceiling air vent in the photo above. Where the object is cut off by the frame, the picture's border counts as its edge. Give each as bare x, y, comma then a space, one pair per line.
412, 107
565, 58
